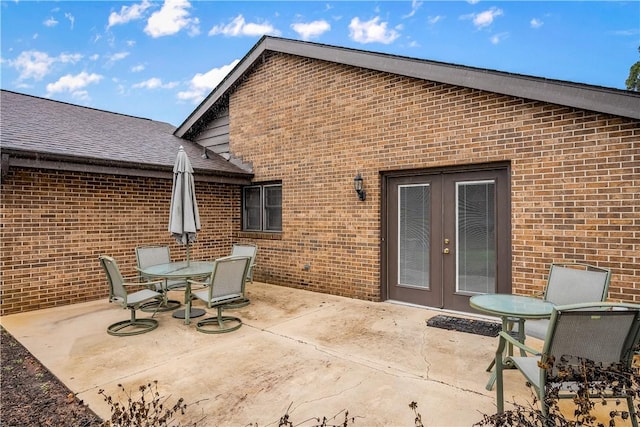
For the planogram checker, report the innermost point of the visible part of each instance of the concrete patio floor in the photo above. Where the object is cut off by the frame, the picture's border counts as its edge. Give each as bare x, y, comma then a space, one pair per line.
307, 353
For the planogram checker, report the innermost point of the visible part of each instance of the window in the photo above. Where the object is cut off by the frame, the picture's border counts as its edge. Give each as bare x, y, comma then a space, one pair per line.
262, 207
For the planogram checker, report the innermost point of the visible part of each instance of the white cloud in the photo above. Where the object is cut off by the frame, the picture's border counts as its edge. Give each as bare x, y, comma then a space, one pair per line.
51, 22
171, 19
128, 13
66, 58
33, 64
152, 83
536, 23
121, 90
432, 20
239, 27
497, 38
81, 95
371, 31
137, 68
473, 1
155, 83
485, 19
630, 32
311, 30
415, 5
73, 84
118, 56
71, 19
202, 84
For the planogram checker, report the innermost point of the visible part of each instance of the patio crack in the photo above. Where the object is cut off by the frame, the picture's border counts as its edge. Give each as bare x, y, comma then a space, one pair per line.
423, 352
328, 396
370, 364
423, 348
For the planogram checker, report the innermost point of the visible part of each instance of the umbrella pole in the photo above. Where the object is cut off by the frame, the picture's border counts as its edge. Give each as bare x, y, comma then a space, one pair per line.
188, 260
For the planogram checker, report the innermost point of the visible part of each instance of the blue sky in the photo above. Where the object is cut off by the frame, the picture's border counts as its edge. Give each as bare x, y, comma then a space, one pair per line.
159, 59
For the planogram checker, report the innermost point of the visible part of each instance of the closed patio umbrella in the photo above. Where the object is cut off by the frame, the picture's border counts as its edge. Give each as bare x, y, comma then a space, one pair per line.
184, 218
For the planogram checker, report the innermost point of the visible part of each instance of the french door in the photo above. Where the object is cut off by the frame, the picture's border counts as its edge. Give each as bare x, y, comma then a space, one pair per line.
446, 236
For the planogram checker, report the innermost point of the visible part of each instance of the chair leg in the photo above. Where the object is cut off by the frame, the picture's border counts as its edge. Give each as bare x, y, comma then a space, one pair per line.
499, 383
499, 374
219, 324
160, 304
633, 414
164, 305
132, 326
187, 310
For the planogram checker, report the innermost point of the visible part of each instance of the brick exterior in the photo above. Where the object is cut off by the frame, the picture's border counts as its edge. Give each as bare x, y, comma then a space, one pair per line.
312, 124
575, 179
55, 224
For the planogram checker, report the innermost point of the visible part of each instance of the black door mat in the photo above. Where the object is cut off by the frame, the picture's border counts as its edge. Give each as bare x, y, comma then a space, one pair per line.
460, 324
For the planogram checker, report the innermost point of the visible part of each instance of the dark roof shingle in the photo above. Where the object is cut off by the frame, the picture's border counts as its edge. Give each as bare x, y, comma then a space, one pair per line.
43, 127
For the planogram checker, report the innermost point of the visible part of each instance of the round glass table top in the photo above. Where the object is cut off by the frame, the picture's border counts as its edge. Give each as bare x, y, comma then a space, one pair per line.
512, 305
181, 269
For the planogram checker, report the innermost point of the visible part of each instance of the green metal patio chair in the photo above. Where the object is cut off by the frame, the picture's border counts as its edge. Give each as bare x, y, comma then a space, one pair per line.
131, 301
571, 283
603, 333
245, 250
225, 286
147, 256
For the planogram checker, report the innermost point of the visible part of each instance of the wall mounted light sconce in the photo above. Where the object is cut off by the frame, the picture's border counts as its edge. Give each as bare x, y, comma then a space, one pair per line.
357, 185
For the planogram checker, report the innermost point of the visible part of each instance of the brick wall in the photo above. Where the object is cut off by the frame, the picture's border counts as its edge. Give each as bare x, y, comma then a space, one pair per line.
312, 124
55, 224
574, 187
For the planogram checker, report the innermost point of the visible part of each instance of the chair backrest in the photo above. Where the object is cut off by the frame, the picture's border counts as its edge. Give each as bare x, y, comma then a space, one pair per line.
577, 283
604, 333
228, 276
147, 256
246, 250
117, 291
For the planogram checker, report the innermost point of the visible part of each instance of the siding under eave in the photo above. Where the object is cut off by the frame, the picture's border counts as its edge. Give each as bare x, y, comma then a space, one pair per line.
215, 136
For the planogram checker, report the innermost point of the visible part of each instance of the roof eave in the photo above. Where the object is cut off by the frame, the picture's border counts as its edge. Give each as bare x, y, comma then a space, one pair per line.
51, 161
594, 98
245, 64
588, 97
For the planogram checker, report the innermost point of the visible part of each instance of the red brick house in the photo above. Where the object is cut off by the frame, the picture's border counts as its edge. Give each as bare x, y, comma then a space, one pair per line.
78, 182
474, 181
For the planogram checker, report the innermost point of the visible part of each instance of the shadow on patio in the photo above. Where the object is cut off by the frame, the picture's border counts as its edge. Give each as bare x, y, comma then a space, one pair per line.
313, 353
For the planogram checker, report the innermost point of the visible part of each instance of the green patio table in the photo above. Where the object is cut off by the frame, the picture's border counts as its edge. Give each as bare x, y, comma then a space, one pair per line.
182, 270
511, 308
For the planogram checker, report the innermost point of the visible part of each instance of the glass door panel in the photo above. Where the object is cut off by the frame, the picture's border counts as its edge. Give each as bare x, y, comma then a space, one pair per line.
414, 223
476, 237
